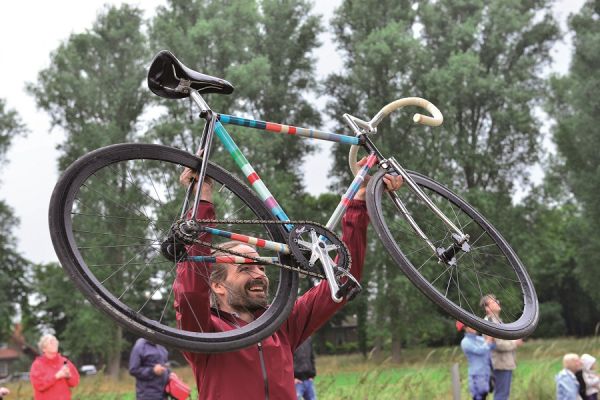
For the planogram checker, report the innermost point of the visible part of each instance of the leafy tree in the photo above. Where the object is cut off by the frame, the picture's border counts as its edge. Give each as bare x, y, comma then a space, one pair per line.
264, 49
479, 62
575, 105
13, 280
92, 90
82, 330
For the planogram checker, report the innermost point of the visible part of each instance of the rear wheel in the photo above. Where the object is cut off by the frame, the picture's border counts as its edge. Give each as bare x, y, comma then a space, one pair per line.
109, 214
487, 266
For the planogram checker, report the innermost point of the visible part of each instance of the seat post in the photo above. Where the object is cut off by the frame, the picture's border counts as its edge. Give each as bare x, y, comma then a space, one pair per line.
200, 102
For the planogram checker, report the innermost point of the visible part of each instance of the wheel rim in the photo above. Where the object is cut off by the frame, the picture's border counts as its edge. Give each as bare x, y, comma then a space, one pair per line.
120, 216
489, 267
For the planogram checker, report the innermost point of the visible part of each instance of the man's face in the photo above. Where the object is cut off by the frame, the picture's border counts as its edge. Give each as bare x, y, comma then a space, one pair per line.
493, 306
51, 348
246, 287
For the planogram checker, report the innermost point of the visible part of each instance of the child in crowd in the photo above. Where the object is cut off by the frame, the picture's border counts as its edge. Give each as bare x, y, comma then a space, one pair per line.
477, 350
590, 376
567, 386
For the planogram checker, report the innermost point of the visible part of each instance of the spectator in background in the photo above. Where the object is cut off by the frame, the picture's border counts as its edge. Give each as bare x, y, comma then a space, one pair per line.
567, 387
581, 381
3, 392
305, 371
52, 374
590, 376
147, 363
477, 350
504, 355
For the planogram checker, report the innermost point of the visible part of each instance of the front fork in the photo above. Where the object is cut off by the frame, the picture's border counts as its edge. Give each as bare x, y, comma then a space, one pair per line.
444, 255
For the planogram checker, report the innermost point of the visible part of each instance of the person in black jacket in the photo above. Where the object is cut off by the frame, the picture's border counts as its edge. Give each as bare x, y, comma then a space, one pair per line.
305, 371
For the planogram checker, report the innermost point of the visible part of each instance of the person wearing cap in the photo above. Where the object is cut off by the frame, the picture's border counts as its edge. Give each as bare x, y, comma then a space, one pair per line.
504, 356
590, 377
567, 387
477, 350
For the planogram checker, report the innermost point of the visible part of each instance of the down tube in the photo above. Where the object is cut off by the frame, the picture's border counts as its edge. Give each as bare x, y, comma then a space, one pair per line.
257, 184
351, 192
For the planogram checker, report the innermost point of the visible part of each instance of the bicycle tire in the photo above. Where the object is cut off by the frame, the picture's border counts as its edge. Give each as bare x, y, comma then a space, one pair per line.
65, 209
418, 263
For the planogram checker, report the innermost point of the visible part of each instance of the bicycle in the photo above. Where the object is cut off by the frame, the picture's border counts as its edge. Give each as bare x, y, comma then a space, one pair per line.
120, 224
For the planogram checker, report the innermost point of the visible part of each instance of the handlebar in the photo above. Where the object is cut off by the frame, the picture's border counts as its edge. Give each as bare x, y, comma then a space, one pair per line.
436, 120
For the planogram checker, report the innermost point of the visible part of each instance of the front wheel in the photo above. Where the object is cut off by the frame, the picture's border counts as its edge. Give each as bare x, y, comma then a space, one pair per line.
460, 282
110, 213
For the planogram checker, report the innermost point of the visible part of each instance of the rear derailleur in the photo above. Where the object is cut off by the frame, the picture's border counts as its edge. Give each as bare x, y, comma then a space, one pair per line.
182, 234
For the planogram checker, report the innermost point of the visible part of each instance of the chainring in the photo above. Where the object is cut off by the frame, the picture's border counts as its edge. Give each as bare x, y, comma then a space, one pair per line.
303, 240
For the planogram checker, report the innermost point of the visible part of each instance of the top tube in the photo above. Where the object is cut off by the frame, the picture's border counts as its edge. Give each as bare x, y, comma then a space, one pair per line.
289, 129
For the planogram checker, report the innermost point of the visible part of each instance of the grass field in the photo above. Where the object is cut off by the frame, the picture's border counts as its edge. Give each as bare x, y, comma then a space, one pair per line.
424, 374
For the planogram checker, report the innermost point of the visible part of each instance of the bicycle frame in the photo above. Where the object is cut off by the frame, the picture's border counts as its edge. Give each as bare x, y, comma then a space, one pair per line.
214, 125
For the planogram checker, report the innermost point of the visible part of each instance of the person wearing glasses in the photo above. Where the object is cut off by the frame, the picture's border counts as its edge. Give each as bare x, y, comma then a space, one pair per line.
504, 355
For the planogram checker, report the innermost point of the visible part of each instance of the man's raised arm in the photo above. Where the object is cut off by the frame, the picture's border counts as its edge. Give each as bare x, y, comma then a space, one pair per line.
191, 288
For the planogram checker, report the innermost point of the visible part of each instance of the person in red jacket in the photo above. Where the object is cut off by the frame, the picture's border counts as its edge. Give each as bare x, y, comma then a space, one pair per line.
265, 370
51, 374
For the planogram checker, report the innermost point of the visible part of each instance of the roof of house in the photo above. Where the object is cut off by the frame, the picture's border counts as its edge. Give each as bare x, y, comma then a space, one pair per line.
7, 353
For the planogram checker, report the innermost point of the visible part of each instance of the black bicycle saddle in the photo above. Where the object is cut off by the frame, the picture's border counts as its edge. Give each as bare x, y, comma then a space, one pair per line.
170, 78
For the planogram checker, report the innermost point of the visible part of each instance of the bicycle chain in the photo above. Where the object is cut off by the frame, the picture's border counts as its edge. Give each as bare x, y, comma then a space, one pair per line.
257, 259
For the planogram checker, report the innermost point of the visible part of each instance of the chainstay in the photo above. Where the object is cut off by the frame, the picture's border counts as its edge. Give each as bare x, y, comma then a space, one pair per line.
262, 261
261, 222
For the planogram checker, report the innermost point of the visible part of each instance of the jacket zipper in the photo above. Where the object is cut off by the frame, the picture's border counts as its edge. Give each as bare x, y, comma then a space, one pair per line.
264, 369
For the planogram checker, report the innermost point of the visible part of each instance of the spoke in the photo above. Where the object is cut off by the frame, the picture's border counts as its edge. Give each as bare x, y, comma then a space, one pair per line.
114, 216
162, 314
440, 275
110, 246
137, 263
156, 290
448, 285
136, 186
113, 234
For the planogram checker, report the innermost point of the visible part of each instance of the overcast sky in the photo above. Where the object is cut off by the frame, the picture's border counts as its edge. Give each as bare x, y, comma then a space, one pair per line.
29, 31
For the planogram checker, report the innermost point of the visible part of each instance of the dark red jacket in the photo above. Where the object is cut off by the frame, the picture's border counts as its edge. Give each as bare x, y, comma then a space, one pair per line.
45, 385
239, 374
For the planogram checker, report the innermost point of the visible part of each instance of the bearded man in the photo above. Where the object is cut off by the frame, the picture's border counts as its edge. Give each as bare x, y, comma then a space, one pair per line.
237, 291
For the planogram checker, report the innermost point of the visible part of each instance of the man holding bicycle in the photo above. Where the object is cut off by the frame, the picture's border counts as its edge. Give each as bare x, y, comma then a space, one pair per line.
238, 293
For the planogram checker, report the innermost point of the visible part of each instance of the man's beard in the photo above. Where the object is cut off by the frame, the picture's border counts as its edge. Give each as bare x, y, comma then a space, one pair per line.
241, 300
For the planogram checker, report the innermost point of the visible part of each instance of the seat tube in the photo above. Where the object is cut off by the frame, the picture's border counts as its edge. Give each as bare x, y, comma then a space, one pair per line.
209, 136
205, 146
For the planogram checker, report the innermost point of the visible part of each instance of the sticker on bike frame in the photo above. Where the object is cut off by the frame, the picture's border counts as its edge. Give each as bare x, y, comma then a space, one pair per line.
266, 244
288, 129
257, 184
230, 259
351, 192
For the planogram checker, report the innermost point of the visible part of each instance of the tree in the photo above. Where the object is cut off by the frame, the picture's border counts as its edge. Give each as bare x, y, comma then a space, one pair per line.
82, 330
480, 63
92, 90
268, 62
575, 105
13, 280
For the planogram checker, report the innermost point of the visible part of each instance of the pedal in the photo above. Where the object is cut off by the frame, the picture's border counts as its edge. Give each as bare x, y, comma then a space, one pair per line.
349, 290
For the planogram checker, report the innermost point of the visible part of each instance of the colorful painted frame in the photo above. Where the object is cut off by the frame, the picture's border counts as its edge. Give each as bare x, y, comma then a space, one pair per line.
261, 189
